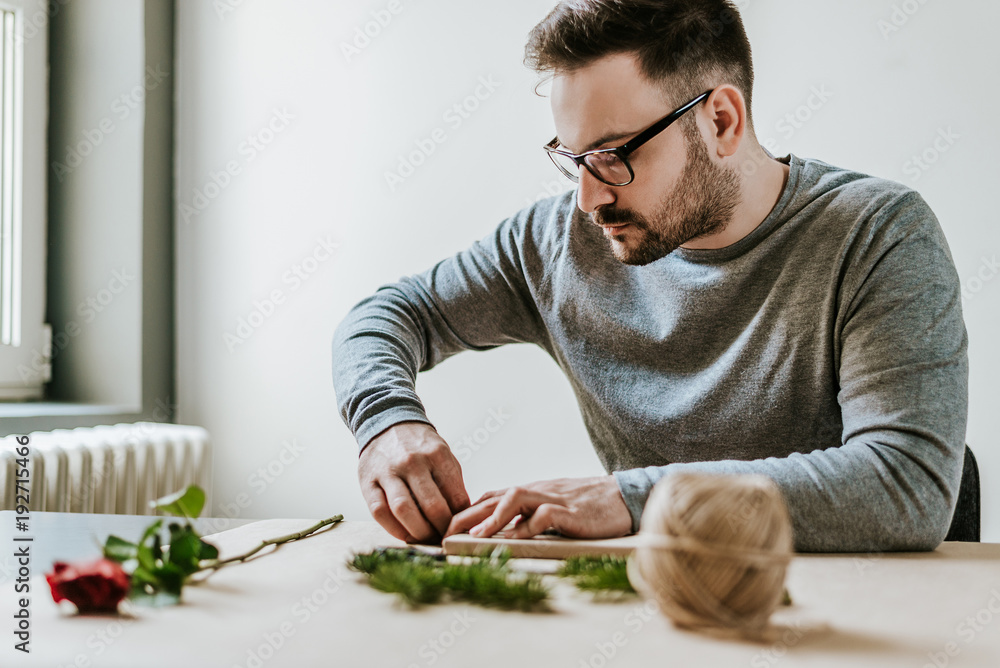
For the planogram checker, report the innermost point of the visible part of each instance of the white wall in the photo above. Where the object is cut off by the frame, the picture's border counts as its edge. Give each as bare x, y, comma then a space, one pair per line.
99, 87
343, 121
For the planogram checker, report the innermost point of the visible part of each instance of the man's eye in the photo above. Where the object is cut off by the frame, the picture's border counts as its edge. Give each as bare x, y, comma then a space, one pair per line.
604, 158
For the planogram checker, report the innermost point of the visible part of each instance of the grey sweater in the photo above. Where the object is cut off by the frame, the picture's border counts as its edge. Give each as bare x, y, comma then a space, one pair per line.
826, 350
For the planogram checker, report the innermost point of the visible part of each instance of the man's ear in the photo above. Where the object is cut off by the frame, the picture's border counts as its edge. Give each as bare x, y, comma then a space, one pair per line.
726, 111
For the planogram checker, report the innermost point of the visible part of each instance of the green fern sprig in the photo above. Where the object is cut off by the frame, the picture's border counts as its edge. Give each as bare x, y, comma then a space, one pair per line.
598, 574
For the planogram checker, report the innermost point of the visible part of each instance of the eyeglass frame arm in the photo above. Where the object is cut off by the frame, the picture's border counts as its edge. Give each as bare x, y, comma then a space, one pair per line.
630, 146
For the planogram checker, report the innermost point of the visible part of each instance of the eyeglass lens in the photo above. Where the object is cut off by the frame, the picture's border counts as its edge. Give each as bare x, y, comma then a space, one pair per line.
608, 166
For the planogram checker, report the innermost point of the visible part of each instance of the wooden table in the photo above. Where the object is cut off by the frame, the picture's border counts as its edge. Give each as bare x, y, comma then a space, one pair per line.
301, 606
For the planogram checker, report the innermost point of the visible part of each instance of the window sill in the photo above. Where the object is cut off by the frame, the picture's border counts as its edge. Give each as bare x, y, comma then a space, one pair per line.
26, 417
26, 409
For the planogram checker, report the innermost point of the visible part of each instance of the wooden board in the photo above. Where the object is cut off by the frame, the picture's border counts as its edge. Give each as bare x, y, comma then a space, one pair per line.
539, 547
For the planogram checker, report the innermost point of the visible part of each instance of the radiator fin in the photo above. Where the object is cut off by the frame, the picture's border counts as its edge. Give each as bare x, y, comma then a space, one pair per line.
108, 469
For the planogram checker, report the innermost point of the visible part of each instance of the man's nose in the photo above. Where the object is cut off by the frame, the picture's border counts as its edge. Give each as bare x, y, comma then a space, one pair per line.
591, 193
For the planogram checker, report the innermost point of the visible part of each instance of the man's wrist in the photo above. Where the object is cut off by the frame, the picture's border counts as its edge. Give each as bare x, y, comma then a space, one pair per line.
634, 486
377, 426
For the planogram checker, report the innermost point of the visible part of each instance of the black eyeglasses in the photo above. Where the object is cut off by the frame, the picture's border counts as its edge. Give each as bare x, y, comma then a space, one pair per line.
611, 165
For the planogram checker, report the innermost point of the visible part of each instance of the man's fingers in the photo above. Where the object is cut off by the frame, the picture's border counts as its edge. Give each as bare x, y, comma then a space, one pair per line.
546, 516
448, 474
379, 507
429, 499
419, 477
515, 501
470, 517
405, 509
489, 495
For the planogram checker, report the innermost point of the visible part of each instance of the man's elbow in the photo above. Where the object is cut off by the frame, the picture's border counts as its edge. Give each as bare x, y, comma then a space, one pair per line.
918, 522
926, 527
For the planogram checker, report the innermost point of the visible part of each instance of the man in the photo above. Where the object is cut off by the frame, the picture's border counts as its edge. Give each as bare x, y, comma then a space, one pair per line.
716, 309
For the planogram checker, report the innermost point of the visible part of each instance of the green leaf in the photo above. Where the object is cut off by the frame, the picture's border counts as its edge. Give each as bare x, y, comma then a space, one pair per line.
166, 579
119, 549
185, 548
151, 531
208, 551
170, 578
143, 576
185, 503
147, 560
188, 550
148, 550
149, 588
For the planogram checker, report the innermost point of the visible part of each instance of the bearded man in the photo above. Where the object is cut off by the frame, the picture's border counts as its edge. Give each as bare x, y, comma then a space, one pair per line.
715, 308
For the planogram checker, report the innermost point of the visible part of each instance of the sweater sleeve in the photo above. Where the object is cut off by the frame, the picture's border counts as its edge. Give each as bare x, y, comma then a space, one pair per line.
901, 348
476, 300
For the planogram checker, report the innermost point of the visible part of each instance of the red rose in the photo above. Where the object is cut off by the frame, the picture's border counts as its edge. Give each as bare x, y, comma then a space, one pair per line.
97, 586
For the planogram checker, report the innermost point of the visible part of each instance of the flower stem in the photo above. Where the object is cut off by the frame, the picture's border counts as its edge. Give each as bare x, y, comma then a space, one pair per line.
219, 563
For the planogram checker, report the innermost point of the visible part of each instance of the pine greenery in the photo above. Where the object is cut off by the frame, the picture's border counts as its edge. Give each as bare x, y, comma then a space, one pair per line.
598, 574
419, 579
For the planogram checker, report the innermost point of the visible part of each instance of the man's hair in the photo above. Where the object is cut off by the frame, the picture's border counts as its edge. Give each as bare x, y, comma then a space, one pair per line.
688, 45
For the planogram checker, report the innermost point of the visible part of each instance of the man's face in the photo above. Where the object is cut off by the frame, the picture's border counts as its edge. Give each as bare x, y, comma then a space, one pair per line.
678, 193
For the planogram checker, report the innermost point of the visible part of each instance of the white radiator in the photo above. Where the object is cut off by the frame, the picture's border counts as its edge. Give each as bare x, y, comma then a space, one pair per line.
109, 469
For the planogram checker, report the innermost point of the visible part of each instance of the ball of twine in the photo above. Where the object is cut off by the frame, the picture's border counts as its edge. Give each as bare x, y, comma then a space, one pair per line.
713, 551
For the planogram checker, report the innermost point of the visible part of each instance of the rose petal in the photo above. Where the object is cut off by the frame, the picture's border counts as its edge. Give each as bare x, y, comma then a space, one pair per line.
96, 586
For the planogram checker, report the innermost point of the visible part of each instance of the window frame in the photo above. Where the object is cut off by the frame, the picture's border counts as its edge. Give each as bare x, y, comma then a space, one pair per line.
23, 367
77, 395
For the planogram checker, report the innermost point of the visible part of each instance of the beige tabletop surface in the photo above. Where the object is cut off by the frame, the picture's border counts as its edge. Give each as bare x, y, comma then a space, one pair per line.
301, 606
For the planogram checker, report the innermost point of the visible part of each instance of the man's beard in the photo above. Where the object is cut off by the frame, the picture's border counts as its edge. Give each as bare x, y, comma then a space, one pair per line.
702, 203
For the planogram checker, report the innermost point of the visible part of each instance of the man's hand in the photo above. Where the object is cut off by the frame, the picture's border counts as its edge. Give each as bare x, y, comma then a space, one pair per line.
412, 482
576, 507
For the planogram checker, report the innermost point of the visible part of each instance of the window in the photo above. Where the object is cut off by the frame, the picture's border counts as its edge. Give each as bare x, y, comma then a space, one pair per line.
23, 119
72, 63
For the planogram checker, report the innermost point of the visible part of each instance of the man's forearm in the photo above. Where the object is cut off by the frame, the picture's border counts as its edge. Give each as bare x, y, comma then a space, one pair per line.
883, 493
377, 353
477, 299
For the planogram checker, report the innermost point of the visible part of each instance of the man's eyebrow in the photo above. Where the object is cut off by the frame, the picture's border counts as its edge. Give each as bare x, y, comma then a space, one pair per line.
604, 140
